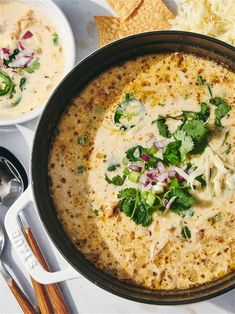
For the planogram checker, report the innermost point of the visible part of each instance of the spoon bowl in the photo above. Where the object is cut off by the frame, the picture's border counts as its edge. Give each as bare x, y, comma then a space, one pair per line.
13, 178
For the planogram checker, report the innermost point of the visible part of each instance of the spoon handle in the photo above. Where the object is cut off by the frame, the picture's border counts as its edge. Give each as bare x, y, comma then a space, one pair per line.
41, 297
18, 293
53, 290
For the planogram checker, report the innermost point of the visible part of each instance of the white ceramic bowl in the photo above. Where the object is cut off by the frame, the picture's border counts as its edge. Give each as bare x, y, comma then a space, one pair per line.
64, 30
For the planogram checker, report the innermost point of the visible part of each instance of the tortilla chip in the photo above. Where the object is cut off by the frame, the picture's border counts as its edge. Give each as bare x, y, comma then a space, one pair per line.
150, 15
109, 29
124, 8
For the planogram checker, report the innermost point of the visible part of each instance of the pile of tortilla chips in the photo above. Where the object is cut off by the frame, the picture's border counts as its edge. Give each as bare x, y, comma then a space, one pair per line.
134, 16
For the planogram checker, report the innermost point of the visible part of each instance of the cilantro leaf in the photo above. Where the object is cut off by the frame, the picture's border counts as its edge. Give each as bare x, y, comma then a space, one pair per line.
204, 113
152, 162
172, 154
186, 143
144, 215
162, 127
132, 153
201, 180
135, 207
201, 80
34, 66
222, 109
129, 96
184, 200
11, 57
82, 140
127, 193
185, 232
113, 167
175, 183
117, 180
22, 83
199, 133
55, 39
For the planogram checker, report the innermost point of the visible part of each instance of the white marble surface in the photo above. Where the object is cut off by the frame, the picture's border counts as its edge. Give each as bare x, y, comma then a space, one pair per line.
81, 295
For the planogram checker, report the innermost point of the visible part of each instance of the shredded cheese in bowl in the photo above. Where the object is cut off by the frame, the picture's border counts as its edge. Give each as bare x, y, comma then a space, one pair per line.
215, 18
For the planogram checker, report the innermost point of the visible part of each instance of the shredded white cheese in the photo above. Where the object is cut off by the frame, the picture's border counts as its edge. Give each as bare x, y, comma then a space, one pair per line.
215, 18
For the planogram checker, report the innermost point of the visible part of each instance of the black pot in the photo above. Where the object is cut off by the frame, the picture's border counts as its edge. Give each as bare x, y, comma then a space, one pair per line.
146, 43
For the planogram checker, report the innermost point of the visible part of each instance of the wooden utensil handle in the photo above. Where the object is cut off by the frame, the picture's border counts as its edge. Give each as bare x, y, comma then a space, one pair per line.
56, 298
41, 297
20, 297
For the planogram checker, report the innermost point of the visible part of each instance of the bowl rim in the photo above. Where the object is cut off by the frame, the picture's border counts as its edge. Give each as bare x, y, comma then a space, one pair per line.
61, 240
70, 61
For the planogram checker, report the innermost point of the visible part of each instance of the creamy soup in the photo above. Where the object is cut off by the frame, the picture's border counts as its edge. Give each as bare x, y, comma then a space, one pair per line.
142, 171
31, 58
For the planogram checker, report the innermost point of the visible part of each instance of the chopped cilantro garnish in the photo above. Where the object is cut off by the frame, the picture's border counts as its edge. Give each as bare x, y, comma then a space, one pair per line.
34, 66
175, 183
13, 91
201, 80
222, 109
199, 133
184, 200
228, 149
80, 169
152, 162
134, 153
204, 113
216, 218
162, 127
11, 57
135, 207
113, 167
129, 97
117, 180
201, 180
186, 233
55, 39
82, 140
186, 143
172, 154
22, 82
96, 212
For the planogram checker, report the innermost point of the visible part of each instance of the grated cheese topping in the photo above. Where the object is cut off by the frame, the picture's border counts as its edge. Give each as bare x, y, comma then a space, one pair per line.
215, 18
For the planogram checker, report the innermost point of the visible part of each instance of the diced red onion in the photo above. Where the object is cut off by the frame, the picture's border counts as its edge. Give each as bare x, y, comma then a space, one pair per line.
172, 173
27, 35
158, 145
144, 180
165, 201
20, 62
160, 167
135, 167
152, 174
179, 177
163, 177
144, 157
6, 52
21, 45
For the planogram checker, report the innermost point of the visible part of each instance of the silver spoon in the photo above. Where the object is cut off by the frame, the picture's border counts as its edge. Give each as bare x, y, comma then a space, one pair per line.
12, 184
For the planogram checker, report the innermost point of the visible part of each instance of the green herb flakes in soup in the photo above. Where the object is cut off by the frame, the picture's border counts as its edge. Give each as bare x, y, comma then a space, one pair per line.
148, 181
31, 58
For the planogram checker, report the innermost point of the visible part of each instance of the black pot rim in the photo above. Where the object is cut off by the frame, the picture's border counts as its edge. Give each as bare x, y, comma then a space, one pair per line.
41, 145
